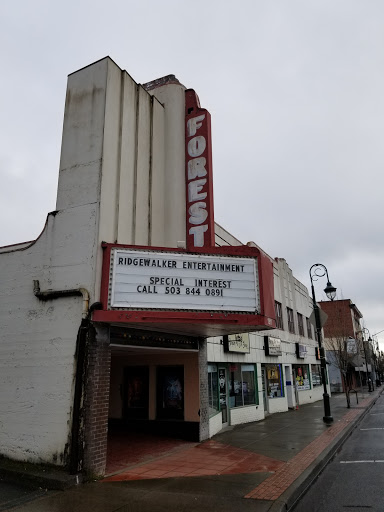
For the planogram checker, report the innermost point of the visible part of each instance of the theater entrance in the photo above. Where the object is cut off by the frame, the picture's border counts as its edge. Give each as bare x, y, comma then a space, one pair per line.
154, 402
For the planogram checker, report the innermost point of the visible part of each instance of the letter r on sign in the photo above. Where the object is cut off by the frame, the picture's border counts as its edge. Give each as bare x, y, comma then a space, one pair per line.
196, 168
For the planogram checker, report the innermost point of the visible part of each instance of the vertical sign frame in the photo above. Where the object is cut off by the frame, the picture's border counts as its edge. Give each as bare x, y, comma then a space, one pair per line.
200, 228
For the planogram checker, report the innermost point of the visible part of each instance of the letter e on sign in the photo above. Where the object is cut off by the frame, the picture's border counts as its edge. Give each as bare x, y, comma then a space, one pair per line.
200, 229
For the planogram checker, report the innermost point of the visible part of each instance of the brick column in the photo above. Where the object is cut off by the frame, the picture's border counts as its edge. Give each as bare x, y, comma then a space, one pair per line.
203, 379
97, 403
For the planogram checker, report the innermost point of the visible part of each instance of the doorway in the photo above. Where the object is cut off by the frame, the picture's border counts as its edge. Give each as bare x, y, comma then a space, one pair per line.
223, 394
294, 375
136, 393
264, 385
289, 384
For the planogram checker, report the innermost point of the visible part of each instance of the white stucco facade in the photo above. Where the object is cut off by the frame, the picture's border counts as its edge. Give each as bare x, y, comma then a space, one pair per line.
119, 181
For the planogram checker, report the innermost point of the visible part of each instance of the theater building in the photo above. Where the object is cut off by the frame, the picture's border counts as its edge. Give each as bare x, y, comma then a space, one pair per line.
133, 308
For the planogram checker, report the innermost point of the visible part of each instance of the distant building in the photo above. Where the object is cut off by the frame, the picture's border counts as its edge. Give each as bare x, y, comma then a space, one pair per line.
343, 344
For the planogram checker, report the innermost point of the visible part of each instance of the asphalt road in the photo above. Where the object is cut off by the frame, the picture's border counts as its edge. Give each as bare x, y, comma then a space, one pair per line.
354, 480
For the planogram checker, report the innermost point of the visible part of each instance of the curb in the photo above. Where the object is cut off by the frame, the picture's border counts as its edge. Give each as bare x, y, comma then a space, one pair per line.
290, 497
31, 476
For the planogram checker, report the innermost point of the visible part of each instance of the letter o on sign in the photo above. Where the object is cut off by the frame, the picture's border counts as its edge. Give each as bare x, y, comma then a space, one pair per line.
196, 146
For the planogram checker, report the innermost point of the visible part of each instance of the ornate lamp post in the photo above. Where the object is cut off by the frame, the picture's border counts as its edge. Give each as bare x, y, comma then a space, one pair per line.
378, 358
370, 381
318, 270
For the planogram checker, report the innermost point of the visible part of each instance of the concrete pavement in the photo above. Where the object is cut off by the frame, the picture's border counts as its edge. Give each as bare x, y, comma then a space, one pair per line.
262, 466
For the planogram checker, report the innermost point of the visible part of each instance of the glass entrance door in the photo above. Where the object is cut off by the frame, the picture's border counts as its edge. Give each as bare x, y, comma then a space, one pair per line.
136, 392
223, 394
264, 384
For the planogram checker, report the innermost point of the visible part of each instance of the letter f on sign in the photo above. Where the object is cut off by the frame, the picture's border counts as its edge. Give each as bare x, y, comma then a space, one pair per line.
194, 124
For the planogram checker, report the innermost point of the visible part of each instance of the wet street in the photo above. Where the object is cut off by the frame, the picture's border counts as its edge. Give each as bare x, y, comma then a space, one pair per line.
354, 480
13, 495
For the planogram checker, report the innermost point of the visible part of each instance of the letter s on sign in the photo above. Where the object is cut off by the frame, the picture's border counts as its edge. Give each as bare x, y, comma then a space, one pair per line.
198, 213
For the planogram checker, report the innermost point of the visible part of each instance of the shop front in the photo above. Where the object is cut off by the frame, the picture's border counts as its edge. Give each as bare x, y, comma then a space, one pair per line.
233, 394
273, 388
306, 376
272, 375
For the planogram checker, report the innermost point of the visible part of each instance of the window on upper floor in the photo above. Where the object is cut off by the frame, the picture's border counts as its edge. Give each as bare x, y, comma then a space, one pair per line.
300, 324
291, 323
279, 315
309, 329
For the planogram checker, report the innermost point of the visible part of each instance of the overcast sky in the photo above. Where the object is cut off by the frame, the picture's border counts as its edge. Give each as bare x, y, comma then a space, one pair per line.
296, 93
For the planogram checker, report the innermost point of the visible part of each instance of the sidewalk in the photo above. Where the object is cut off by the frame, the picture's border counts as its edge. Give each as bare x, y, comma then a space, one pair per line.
262, 466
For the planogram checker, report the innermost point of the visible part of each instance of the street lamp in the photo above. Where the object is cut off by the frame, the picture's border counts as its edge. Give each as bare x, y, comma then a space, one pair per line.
370, 382
318, 270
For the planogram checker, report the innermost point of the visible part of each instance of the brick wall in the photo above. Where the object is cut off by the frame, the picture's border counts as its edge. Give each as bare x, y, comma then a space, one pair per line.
339, 322
97, 403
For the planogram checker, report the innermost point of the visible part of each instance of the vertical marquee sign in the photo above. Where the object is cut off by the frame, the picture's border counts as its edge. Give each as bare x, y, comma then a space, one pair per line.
198, 158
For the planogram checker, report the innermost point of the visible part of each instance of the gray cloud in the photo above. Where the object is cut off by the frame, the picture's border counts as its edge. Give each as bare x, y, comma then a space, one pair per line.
295, 93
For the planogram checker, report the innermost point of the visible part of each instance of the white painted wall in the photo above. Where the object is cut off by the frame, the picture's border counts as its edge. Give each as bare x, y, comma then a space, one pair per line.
224, 238
277, 405
215, 424
121, 179
172, 97
239, 415
37, 347
308, 396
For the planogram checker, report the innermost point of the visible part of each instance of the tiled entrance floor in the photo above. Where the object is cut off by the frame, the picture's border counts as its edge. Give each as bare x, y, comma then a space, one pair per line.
126, 449
168, 458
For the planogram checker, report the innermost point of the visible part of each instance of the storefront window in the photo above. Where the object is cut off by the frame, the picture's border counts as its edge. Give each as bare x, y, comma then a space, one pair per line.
213, 396
241, 385
274, 381
302, 376
316, 375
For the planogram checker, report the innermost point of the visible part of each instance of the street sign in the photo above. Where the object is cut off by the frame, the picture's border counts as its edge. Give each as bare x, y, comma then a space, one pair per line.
323, 318
351, 346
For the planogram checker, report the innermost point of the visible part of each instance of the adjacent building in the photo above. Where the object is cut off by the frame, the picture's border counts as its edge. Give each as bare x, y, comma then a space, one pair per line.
252, 375
349, 357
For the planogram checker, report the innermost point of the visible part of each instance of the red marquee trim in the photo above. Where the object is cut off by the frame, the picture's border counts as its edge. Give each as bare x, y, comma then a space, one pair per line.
209, 321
